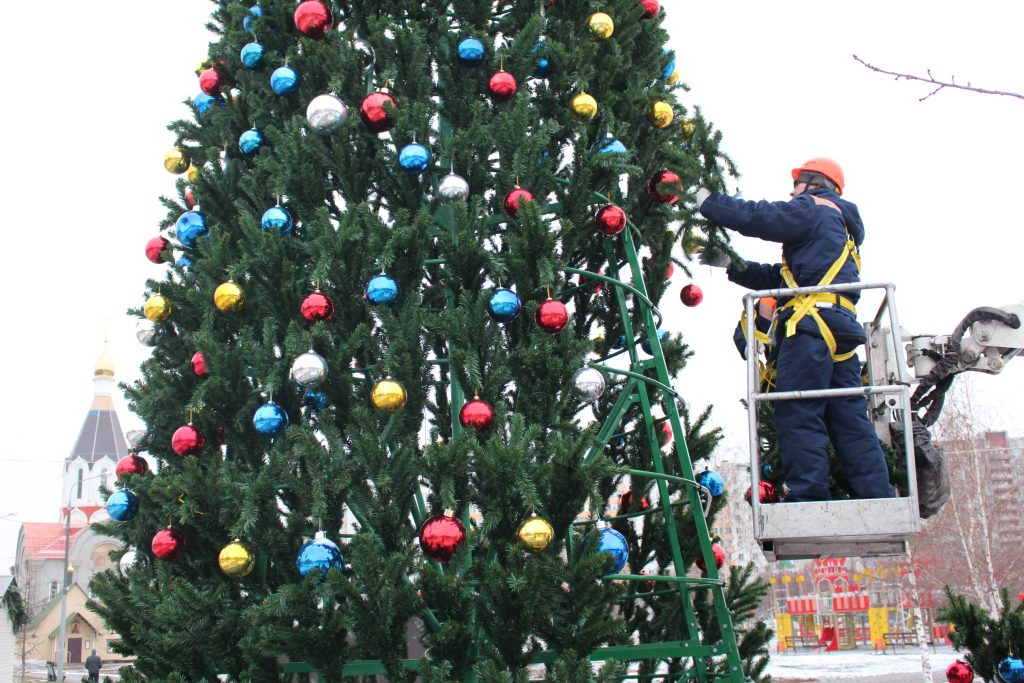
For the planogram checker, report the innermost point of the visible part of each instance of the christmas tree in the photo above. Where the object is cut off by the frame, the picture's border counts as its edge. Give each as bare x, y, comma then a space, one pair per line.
369, 396
994, 643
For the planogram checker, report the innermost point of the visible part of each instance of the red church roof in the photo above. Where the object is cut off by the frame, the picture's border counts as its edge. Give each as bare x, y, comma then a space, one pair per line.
45, 540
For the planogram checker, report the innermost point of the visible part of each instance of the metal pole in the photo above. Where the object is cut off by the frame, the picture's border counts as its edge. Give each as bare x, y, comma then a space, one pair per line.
64, 593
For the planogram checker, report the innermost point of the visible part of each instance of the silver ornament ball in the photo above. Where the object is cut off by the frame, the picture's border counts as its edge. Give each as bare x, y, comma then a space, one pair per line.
132, 559
453, 188
588, 383
308, 369
135, 437
148, 332
365, 52
326, 113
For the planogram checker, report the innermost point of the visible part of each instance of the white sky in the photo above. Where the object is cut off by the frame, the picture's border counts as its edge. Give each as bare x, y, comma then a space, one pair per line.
85, 135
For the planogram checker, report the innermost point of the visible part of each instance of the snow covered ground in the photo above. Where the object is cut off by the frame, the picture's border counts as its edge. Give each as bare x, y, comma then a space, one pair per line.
857, 664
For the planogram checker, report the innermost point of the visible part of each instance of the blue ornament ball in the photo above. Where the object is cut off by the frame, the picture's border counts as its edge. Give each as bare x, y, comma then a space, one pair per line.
382, 289
1011, 670
619, 343
284, 80
471, 52
319, 553
122, 506
766, 470
202, 102
504, 305
314, 400
254, 11
270, 419
610, 146
250, 142
276, 218
646, 345
189, 227
670, 67
414, 159
713, 482
612, 543
543, 67
184, 262
252, 55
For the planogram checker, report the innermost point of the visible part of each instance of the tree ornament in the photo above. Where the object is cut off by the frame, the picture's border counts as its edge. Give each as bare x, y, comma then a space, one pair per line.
588, 383
131, 560
199, 365
477, 415
661, 114
513, 198
228, 297
535, 534
136, 437
252, 55
148, 333
254, 11
504, 305
470, 52
441, 535
1011, 670
543, 67
313, 18
600, 26
131, 464
665, 187
502, 86
388, 395
767, 493
250, 142
270, 420
187, 440
284, 81
319, 554
325, 113
277, 218
168, 545
646, 344
155, 249
583, 106
122, 505
552, 316
158, 308
614, 545
626, 503
611, 220
376, 111
719, 552
452, 188
666, 434
317, 306
651, 8
308, 369
960, 672
184, 262
212, 81
610, 145
670, 66
203, 102
712, 481
364, 50
314, 400
691, 295
236, 559
414, 159
382, 289
189, 227
688, 127
176, 160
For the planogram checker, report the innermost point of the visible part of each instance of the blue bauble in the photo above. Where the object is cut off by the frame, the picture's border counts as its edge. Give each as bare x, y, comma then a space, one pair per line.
646, 345
189, 227
610, 146
270, 419
284, 80
254, 11
504, 305
619, 343
184, 263
766, 470
319, 553
471, 52
252, 55
1012, 670
203, 102
414, 158
543, 68
671, 66
314, 400
712, 481
122, 506
276, 218
612, 543
382, 290
250, 142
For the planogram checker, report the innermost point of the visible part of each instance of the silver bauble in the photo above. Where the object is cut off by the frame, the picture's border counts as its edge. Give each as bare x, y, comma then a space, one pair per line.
453, 188
308, 369
326, 113
135, 437
365, 52
148, 332
588, 383
132, 559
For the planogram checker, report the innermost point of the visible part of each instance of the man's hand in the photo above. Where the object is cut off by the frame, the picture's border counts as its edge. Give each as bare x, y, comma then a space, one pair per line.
701, 194
714, 258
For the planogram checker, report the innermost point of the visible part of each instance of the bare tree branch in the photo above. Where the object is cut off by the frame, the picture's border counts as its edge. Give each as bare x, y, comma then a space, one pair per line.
951, 83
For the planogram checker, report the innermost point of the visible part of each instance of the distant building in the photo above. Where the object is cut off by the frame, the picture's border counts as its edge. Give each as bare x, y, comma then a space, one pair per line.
6, 632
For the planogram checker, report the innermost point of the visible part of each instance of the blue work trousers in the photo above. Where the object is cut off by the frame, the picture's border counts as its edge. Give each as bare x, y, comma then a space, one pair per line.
805, 426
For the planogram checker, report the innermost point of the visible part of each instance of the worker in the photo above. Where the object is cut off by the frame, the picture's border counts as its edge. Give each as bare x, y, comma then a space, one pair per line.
816, 335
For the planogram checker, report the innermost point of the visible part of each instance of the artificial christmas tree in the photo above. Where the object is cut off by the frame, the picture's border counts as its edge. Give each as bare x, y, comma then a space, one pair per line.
349, 281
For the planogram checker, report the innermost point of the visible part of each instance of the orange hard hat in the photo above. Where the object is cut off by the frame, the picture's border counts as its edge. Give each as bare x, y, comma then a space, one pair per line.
826, 167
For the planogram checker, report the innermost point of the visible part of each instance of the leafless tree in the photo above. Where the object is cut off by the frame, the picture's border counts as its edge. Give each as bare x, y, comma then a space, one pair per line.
939, 84
26, 639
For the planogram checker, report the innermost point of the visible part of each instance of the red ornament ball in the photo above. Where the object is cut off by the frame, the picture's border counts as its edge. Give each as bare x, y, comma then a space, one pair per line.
670, 270
313, 18
212, 81
626, 503
131, 464
317, 306
719, 553
477, 415
441, 536
768, 493
155, 248
959, 672
375, 111
168, 544
513, 198
665, 187
199, 365
190, 199
651, 8
502, 86
187, 440
691, 295
611, 220
552, 316
666, 434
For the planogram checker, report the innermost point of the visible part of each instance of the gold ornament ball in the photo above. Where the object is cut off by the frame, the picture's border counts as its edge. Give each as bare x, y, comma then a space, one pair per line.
176, 160
601, 25
661, 114
388, 396
535, 534
228, 297
688, 127
583, 106
193, 173
673, 77
236, 559
158, 308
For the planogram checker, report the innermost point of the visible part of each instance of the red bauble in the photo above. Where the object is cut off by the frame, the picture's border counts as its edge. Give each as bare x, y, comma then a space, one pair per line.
959, 672
719, 553
168, 544
375, 111
317, 306
666, 434
212, 81
187, 440
155, 248
691, 295
199, 365
665, 186
131, 464
477, 415
502, 86
651, 8
441, 536
768, 493
513, 198
626, 503
669, 271
190, 199
552, 316
313, 18
611, 220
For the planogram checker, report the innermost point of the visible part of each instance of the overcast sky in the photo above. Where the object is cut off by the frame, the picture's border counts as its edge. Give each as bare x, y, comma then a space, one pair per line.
90, 96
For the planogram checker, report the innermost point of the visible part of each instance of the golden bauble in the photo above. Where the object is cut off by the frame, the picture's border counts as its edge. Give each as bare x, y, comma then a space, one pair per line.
661, 114
176, 160
600, 25
158, 308
388, 396
584, 106
673, 77
193, 173
688, 127
228, 297
535, 534
236, 559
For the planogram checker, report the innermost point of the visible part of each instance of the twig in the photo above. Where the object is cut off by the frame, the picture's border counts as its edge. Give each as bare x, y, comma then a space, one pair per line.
941, 84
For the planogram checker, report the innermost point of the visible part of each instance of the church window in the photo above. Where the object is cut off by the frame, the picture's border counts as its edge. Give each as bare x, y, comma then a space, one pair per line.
53, 589
80, 477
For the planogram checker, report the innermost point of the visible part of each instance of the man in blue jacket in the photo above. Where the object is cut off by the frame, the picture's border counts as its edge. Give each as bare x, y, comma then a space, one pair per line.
816, 335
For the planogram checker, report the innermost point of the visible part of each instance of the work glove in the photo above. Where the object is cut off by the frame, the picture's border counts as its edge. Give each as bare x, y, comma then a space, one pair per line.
714, 257
701, 194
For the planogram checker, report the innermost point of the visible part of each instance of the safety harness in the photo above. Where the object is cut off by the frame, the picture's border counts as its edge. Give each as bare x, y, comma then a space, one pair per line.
764, 318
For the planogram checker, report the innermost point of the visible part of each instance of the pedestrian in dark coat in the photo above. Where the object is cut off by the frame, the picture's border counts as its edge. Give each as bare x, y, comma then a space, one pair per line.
93, 664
